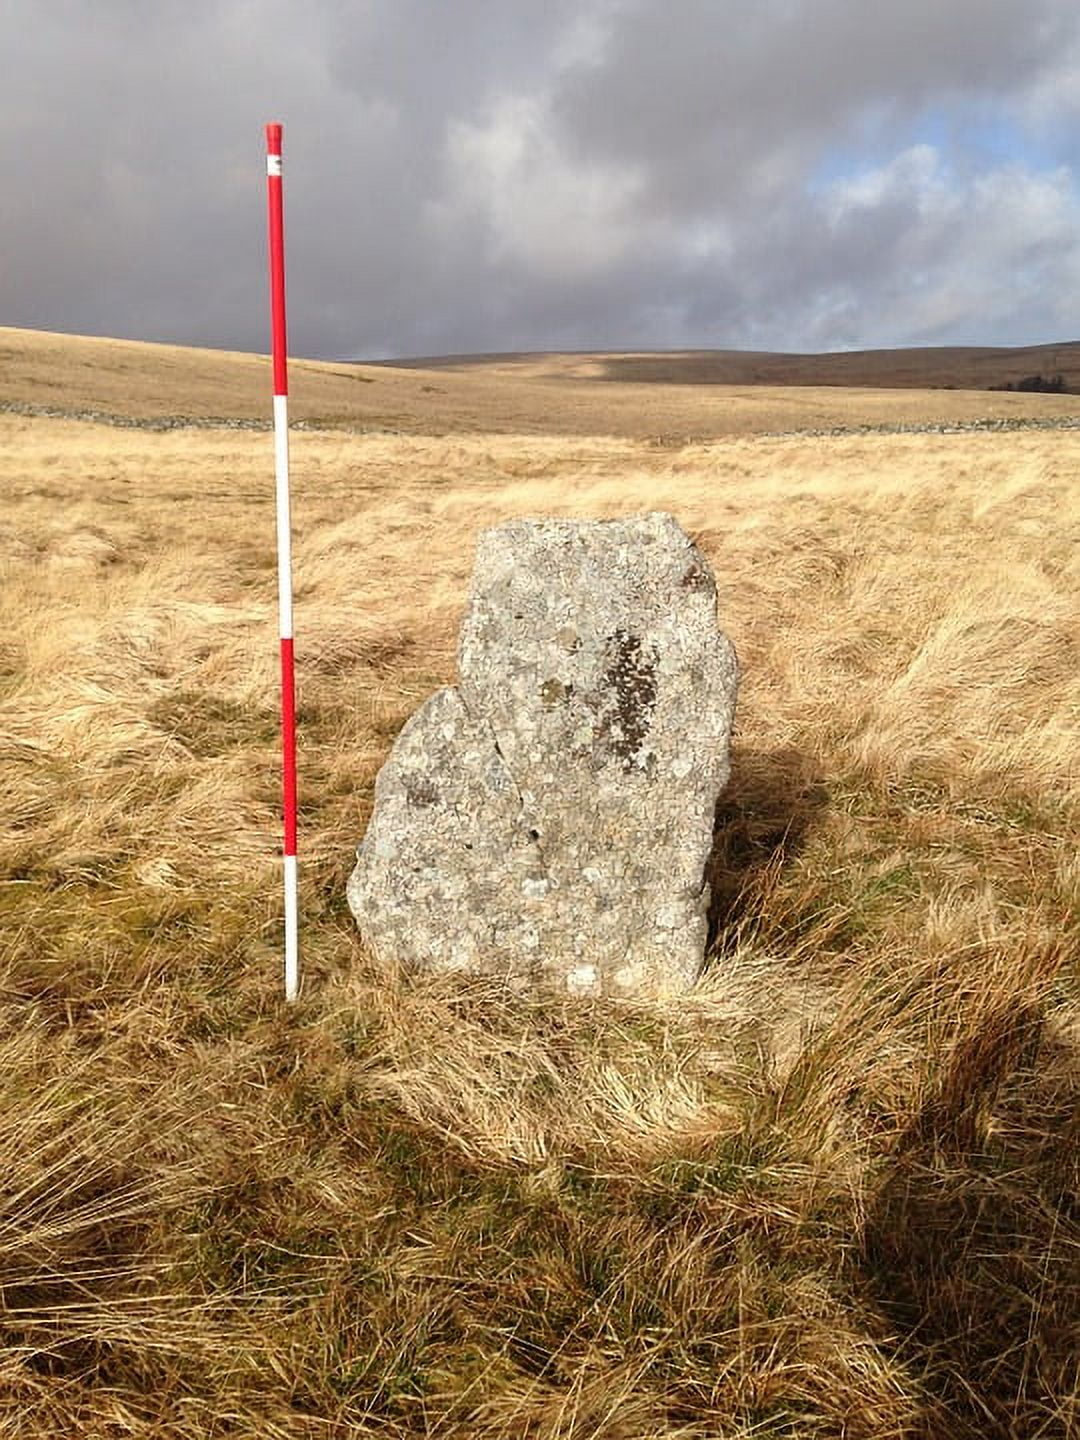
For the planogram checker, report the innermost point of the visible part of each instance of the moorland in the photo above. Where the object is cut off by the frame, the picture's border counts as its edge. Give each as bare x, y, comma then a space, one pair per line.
833, 1192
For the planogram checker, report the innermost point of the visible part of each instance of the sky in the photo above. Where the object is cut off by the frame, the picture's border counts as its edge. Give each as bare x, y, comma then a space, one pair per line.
489, 175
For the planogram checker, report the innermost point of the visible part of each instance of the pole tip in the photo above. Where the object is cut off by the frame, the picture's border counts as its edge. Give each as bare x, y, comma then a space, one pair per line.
273, 139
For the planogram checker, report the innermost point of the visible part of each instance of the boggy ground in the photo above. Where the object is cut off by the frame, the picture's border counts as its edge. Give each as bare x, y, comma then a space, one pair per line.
833, 1193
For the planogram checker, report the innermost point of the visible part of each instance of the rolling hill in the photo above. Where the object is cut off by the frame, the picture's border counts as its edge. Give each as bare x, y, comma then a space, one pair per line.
643, 396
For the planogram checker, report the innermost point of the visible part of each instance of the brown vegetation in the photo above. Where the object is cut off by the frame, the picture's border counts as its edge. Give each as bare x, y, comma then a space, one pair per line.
671, 398
956, 367
834, 1193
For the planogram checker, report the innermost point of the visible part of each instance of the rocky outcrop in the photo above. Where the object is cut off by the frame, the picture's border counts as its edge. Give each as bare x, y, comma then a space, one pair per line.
549, 819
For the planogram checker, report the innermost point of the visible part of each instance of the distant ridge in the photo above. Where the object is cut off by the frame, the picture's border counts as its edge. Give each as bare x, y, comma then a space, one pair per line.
960, 367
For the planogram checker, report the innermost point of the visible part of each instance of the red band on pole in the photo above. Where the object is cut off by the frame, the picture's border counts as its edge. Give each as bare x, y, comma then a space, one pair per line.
276, 228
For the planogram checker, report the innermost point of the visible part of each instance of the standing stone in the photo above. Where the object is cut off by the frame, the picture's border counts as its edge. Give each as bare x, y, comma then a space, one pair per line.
549, 819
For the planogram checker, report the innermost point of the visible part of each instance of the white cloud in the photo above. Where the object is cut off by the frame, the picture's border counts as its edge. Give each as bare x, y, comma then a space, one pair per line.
914, 176
539, 208
964, 257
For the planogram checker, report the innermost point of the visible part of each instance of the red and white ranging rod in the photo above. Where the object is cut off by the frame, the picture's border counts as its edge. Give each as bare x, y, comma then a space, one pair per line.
284, 552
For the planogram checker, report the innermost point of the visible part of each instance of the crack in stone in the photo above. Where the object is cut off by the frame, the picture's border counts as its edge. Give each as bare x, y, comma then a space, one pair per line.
532, 835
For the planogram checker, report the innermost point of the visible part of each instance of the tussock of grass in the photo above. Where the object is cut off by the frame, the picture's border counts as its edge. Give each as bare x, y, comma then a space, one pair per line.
832, 1193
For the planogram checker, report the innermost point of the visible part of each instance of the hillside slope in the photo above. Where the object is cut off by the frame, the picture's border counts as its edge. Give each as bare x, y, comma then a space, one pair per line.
832, 1194
549, 395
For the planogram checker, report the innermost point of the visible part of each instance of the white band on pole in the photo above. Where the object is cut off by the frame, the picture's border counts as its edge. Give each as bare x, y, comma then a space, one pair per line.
284, 533
292, 943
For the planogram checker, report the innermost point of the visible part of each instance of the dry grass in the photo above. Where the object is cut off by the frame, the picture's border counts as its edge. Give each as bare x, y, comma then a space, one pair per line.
535, 395
833, 1194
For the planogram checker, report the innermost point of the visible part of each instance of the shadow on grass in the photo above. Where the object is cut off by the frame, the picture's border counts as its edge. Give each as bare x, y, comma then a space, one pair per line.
972, 1243
764, 816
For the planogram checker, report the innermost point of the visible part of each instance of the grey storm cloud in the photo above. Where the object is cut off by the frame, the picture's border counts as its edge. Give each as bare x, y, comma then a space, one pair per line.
489, 174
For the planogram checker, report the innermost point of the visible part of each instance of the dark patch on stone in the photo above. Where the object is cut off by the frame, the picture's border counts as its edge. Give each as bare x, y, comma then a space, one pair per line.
629, 687
695, 578
421, 793
552, 692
